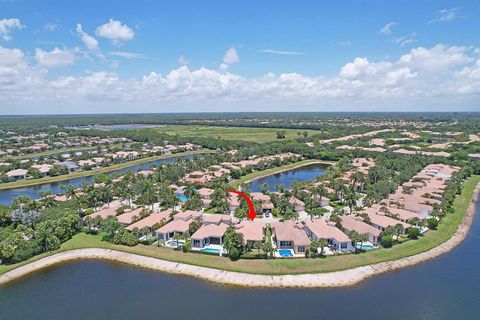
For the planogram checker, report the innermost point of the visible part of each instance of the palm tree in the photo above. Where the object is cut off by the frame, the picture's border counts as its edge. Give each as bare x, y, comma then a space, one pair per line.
399, 229
280, 187
358, 178
69, 191
319, 191
322, 242
354, 237
351, 200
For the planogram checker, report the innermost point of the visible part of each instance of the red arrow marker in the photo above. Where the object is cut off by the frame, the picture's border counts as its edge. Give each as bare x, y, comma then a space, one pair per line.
251, 213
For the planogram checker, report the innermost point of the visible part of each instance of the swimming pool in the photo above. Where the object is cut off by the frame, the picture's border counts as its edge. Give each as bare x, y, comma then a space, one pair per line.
364, 246
210, 250
173, 243
182, 198
285, 252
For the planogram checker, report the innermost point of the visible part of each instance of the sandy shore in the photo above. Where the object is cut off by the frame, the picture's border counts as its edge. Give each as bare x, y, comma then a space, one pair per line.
332, 279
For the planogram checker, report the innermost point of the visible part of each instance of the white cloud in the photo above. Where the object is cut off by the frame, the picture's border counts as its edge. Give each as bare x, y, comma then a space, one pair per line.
183, 61
7, 26
127, 55
116, 31
89, 41
279, 52
446, 15
387, 29
230, 57
51, 26
441, 77
403, 41
55, 58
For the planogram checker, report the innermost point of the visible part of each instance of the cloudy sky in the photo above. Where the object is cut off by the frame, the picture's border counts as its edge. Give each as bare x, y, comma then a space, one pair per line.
191, 56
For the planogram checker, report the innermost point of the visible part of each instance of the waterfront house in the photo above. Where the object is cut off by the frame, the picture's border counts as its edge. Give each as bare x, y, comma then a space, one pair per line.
252, 231
43, 168
320, 229
71, 166
381, 222
172, 228
351, 223
209, 234
17, 174
148, 222
290, 235
129, 217
105, 212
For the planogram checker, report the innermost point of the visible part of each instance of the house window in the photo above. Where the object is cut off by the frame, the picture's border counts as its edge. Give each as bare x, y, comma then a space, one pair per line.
301, 249
285, 243
343, 245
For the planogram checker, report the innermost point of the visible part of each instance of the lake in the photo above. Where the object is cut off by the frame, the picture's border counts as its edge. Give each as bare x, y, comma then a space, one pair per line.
7, 195
308, 172
444, 288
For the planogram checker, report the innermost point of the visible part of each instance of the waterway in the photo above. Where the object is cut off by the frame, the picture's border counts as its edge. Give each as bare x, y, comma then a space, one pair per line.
446, 287
308, 172
7, 195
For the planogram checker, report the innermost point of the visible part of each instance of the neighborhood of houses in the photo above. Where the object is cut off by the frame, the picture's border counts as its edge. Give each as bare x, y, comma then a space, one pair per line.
204, 231
80, 160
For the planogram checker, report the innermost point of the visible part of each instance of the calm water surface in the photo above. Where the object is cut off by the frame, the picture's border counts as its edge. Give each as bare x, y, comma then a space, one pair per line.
7, 195
309, 172
444, 288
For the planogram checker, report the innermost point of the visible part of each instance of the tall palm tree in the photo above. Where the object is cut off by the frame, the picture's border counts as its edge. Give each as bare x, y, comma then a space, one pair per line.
351, 199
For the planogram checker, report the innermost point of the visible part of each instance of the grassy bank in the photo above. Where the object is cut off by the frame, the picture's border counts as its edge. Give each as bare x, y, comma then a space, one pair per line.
264, 173
50, 152
86, 173
289, 266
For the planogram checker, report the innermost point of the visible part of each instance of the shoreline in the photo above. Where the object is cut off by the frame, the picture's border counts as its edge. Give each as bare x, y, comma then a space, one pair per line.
88, 173
343, 278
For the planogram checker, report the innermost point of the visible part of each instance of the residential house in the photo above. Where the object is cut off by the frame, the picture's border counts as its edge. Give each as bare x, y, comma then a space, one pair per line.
320, 229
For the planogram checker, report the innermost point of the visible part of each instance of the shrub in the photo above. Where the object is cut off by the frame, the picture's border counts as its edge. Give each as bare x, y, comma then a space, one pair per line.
387, 242
432, 223
125, 238
413, 233
234, 254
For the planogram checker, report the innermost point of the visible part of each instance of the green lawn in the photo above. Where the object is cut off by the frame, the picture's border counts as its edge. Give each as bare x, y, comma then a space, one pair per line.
257, 174
86, 173
260, 135
290, 266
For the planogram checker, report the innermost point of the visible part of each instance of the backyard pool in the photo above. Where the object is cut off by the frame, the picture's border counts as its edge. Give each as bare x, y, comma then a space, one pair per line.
364, 246
285, 253
182, 198
174, 243
210, 250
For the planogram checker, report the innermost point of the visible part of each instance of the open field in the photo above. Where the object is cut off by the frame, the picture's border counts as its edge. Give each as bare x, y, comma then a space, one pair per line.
289, 266
86, 173
260, 135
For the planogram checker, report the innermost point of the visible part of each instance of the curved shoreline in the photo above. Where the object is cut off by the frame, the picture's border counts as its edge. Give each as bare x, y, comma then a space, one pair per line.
325, 280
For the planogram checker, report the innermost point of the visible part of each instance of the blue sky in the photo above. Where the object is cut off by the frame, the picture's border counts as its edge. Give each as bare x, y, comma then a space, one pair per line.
152, 56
